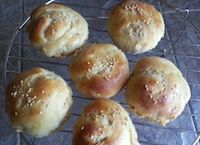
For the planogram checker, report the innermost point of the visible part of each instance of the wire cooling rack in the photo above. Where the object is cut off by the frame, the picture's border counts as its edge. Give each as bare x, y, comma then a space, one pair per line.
180, 45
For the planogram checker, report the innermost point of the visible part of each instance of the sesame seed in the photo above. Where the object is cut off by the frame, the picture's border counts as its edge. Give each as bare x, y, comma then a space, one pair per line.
29, 100
146, 87
16, 113
29, 90
91, 136
88, 62
165, 97
82, 127
41, 112
106, 78
14, 94
21, 82
14, 87
42, 91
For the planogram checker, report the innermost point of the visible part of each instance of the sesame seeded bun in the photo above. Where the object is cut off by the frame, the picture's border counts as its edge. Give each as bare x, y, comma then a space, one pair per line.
99, 70
135, 26
157, 90
37, 101
57, 30
104, 122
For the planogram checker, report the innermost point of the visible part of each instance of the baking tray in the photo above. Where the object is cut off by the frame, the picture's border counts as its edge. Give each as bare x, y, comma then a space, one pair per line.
180, 45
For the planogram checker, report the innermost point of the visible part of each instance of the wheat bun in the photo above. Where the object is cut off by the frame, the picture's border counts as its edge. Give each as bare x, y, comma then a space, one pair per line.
38, 101
57, 30
157, 90
99, 70
135, 26
104, 122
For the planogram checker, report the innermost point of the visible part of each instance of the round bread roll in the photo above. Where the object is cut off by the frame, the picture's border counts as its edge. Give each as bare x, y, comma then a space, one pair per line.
99, 70
57, 30
135, 26
157, 90
104, 122
38, 101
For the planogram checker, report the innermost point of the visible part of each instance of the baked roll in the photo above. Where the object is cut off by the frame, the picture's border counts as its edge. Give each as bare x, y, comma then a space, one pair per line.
57, 30
104, 122
38, 101
99, 70
157, 90
135, 26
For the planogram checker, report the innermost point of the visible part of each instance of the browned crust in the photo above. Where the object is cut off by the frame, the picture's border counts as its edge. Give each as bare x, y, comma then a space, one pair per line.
27, 95
157, 90
57, 30
94, 75
135, 26
104, 122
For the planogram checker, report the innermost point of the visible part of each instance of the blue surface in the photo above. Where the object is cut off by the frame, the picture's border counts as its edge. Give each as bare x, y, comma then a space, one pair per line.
12, 13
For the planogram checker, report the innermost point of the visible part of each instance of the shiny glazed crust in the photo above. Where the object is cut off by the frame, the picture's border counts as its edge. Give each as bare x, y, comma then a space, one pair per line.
99, 70
104, 122
135, 26
157, 90
57, 30
37, 101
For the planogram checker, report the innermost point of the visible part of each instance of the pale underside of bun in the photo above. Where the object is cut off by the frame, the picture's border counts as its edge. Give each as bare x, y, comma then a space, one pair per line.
135, 26
38, 101
57, 30
157, 90
104, 122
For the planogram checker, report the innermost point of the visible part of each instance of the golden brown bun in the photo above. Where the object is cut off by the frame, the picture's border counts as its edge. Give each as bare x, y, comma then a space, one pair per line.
99, 70
57, 30
104, 122
135, 26
157, 90
37, 101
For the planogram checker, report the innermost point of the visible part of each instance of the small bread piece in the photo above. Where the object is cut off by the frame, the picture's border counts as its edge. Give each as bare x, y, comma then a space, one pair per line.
57, 30
157, 90
104, 122
135, 26
99, 70
38, 101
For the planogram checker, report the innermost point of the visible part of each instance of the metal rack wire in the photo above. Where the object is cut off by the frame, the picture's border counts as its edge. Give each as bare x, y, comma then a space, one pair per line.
16, 59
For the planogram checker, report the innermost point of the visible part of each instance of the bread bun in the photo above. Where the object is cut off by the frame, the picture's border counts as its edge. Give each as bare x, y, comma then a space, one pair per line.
37, 101
135, 26
157, 90
57, 30
99, 70
104, 122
